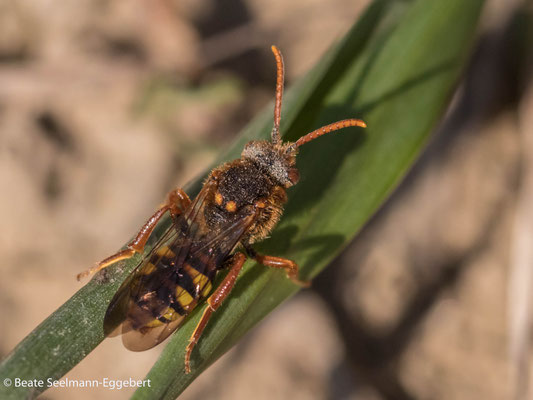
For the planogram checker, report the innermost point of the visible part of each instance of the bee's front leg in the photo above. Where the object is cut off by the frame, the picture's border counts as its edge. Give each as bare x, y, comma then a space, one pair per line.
177, 202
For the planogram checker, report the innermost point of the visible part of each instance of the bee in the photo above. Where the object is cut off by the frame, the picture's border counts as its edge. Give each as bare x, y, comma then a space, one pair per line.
239, 204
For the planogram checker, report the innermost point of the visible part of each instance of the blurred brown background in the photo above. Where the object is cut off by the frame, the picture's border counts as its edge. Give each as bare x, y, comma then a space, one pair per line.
107, 105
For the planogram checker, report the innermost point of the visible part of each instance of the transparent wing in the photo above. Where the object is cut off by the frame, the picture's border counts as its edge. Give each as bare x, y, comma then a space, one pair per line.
154, 300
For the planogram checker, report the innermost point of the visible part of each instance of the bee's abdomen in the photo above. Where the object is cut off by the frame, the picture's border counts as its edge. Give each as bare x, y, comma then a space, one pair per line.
183, 288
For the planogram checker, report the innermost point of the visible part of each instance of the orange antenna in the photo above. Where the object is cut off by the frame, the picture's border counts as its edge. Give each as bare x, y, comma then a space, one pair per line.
276, 137
329, 128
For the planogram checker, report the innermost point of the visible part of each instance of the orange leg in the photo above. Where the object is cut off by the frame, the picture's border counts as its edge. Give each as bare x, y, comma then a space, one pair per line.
213, 302
290, 267
177, 202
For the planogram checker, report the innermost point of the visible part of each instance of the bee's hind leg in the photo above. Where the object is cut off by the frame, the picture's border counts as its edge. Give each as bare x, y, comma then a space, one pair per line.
177, 202
213, 302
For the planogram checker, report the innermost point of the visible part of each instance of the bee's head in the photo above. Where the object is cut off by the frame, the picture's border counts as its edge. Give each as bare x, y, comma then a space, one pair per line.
278, 159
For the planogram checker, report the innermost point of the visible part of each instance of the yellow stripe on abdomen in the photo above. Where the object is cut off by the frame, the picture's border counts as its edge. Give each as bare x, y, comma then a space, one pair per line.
183, 298
164, 251
201, 282
170, 314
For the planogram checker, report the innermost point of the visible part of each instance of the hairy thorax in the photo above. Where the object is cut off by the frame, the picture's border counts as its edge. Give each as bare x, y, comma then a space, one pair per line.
243, 186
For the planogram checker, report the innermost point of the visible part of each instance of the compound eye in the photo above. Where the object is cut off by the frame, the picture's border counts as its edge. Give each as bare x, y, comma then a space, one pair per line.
294, 176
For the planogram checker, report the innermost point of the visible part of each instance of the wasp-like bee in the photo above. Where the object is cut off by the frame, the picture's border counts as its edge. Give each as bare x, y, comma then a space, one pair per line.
240, 203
